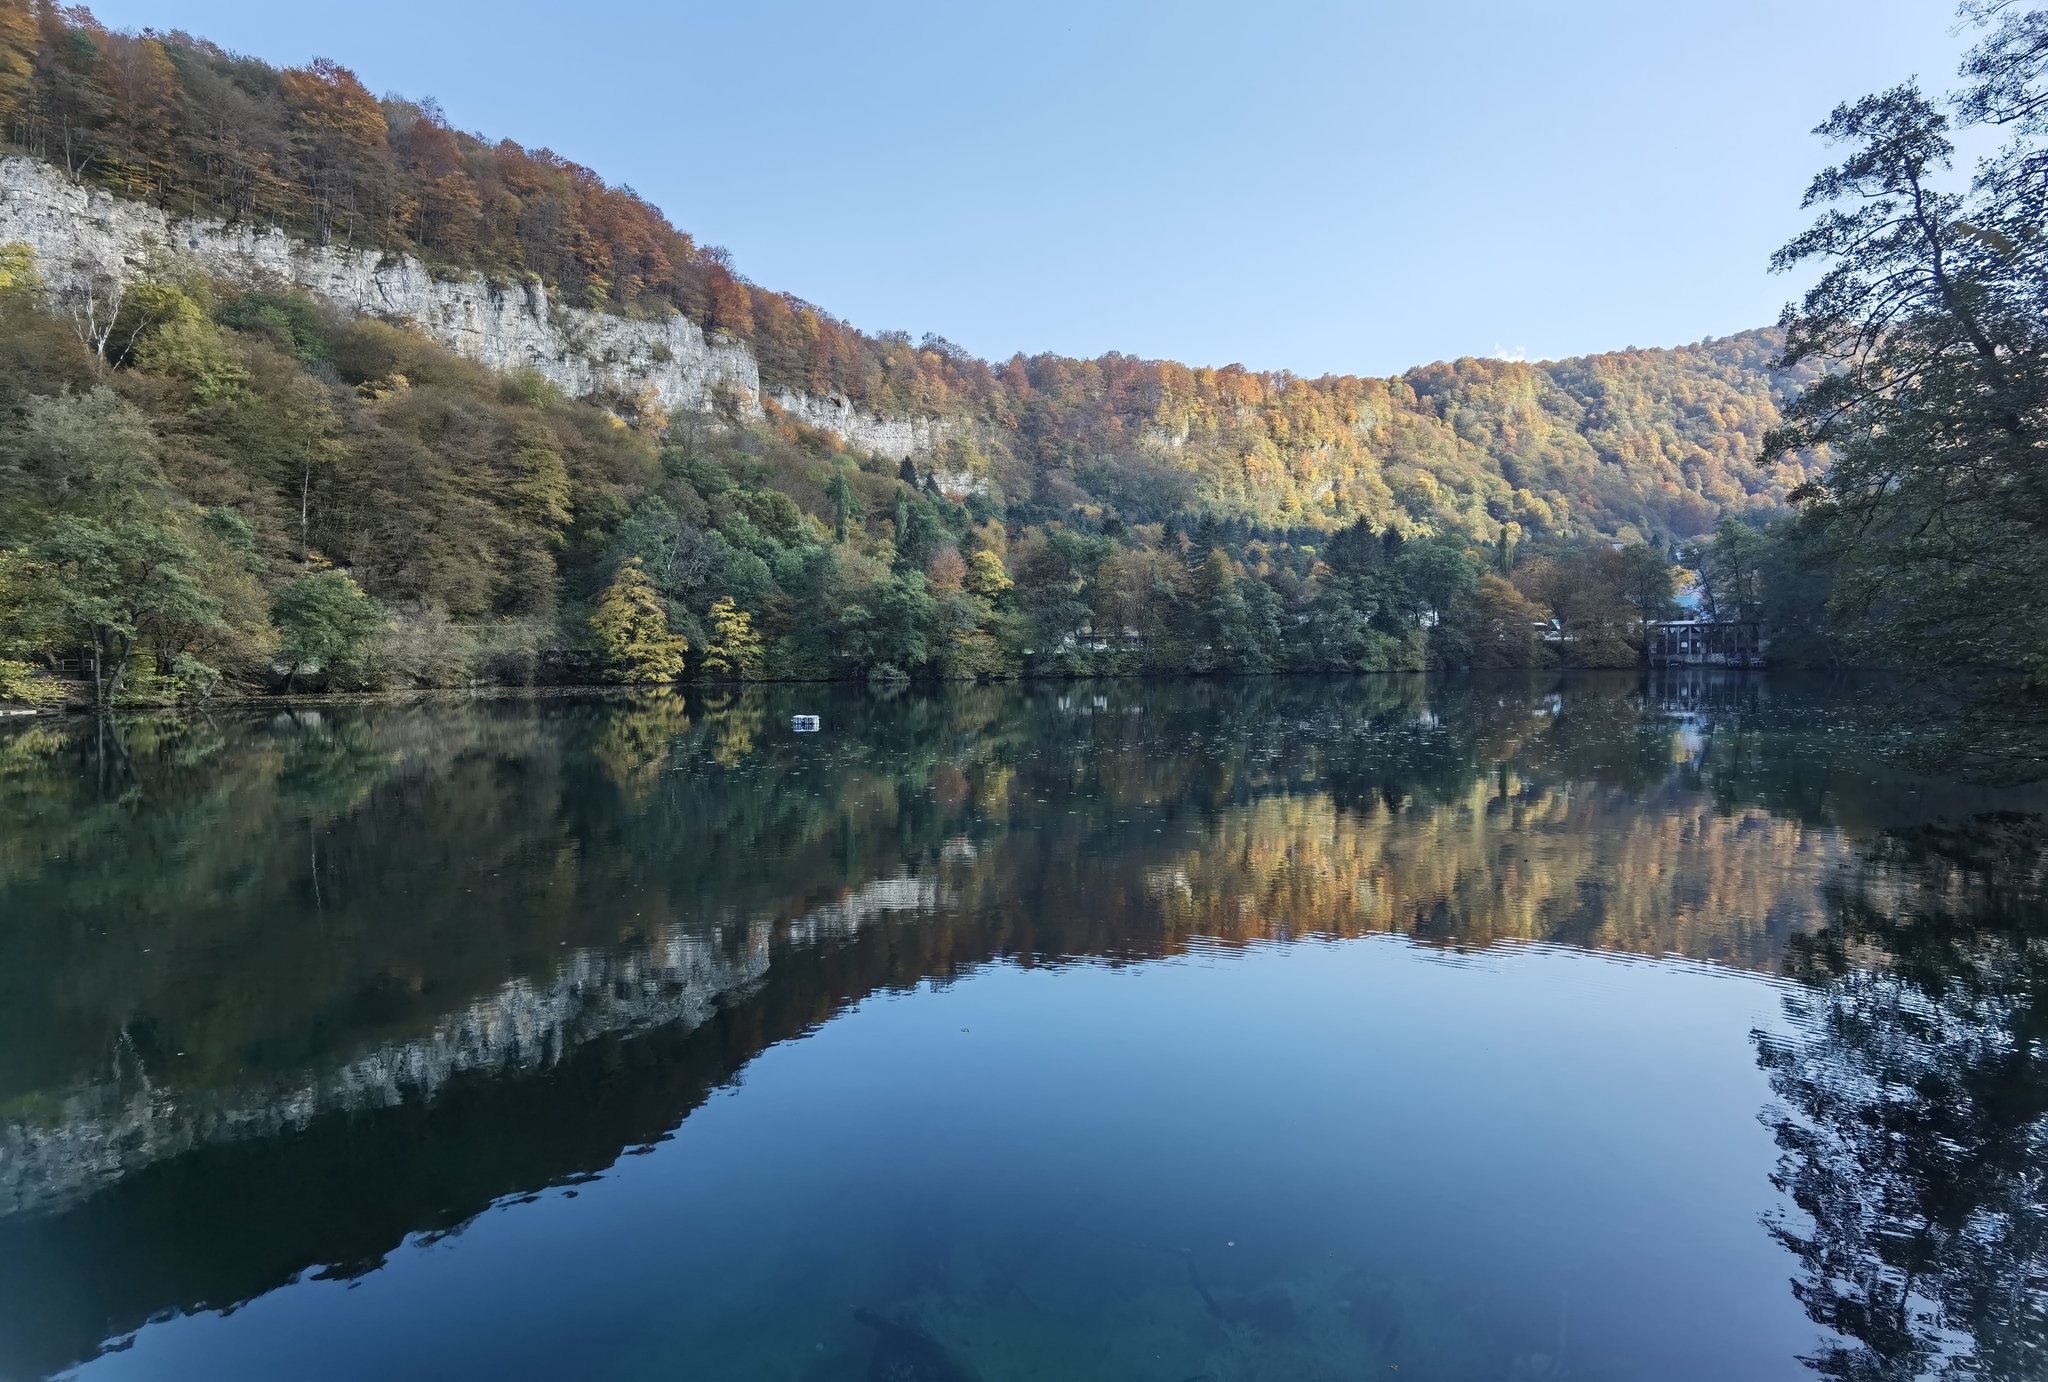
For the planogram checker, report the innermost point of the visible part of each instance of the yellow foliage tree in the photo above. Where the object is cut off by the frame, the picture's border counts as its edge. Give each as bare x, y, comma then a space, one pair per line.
20, 633
1504, 625
17, 55
541, 492
21, 685
18, 266
735, 649
632, 628
986, 577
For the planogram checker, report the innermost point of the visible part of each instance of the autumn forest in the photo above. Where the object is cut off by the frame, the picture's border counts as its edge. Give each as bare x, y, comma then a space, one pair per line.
233, 488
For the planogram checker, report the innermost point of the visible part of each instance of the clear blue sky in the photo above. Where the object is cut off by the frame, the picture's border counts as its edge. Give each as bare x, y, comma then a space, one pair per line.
1304, 185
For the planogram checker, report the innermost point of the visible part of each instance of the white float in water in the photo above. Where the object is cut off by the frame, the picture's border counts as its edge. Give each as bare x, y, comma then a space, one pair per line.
804, 724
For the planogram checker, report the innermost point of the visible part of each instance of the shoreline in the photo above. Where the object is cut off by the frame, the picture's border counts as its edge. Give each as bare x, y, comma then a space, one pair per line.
83, 708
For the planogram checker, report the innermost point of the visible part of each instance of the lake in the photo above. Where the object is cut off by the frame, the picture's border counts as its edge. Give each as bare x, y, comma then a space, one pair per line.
1585, 1026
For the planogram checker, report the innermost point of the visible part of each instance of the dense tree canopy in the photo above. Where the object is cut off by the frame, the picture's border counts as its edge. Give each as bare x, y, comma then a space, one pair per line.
1648, 445
185, 468
1930, 319
263, 491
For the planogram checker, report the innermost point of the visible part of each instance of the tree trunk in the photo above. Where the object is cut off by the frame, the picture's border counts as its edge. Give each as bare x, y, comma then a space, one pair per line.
120, 670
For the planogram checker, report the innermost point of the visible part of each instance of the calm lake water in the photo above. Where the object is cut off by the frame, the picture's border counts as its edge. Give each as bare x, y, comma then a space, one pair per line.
1571, 1027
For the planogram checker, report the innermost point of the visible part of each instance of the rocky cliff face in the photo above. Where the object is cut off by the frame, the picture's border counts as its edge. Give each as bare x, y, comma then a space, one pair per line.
893, 437
79, 232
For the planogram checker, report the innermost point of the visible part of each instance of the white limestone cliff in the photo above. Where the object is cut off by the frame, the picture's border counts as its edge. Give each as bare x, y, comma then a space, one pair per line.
893, 436
79, 232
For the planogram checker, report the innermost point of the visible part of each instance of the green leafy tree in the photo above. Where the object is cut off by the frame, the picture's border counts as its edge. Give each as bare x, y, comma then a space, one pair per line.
920, 532
632, 629
1931, 318
748, 576
325, 623
846, 506
1439, 575
117, 586
1646, 582
92, 453
1341, 632
893, 628
1731, 567
1238, 618
1051, 569
24, 631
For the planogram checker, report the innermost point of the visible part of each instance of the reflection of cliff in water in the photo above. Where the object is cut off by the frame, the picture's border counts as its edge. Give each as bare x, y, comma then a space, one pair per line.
543, 1088
675, 979
116, 1126
289, 989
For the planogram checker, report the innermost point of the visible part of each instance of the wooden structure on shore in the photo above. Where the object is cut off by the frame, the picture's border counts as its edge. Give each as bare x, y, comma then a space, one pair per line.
1700, 643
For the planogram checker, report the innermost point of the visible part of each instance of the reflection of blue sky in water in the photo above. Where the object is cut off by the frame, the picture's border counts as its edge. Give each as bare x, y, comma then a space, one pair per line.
299, 993
1528, 1162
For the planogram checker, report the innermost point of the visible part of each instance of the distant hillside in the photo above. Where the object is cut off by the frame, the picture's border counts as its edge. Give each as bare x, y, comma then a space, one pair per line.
1649, 444
1640, 443
302, 388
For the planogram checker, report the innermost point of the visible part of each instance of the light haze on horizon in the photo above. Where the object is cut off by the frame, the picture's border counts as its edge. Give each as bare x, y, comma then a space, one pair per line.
1319, 187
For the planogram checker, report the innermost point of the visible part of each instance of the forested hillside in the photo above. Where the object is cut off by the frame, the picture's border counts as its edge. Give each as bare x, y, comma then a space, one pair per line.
1657, 441
266, 491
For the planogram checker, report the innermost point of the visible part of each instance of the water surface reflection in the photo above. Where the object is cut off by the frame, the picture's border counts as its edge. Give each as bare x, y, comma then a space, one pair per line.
280, 992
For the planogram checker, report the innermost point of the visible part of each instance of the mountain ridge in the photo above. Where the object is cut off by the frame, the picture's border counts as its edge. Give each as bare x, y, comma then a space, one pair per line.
1044, 408
204, 136
298, 384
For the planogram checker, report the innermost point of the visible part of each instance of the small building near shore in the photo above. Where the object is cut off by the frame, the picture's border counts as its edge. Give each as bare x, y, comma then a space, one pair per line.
1704, 643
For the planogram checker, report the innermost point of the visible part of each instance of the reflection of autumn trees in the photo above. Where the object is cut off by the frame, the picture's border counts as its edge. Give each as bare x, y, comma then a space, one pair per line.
634, 743
261, 893
1572, 864
1915, 1118
253, 901
258, 895
1578, 865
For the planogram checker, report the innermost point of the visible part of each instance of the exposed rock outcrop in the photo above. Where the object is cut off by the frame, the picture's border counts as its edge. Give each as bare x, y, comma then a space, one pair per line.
899, 436
79, 232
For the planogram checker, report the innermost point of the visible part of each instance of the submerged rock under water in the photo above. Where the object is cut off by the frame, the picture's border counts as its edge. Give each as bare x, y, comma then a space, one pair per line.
906, 1352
